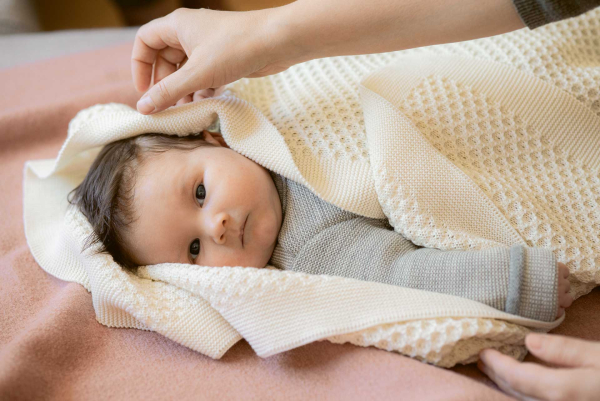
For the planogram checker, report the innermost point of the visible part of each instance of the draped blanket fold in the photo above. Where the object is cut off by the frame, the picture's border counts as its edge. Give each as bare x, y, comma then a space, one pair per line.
486, 143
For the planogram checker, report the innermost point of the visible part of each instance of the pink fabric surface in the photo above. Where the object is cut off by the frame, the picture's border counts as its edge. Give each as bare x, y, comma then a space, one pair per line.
51, 346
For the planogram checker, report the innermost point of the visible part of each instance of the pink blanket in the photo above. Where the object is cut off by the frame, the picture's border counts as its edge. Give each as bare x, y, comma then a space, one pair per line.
51, 346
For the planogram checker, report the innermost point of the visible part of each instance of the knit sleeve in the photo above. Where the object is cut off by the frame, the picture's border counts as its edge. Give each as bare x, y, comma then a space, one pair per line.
518, 280
533, 283
535, 13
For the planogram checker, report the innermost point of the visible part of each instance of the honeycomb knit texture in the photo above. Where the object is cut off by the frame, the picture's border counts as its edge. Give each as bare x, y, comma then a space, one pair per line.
460, 146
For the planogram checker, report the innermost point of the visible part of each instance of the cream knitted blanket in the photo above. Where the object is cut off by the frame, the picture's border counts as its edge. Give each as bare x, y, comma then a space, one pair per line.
483, 143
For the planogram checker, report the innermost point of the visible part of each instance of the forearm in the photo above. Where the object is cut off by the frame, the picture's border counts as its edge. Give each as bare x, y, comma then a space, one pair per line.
318, 28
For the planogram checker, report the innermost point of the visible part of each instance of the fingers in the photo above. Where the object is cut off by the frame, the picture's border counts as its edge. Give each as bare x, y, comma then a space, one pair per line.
201, 94
526, 381
219, 91
564, 286
566, 301
168, 91
184, 100
563, 270
564, 351
210, 92
149, 40
166, 63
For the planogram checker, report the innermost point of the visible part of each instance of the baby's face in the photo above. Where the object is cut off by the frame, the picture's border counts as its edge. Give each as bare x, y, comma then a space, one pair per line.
210, 206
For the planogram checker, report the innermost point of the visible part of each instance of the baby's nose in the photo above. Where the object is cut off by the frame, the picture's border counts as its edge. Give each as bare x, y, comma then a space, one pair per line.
219, 226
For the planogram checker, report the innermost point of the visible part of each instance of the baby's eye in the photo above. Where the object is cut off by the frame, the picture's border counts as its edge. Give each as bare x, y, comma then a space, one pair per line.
200, 194
195, 248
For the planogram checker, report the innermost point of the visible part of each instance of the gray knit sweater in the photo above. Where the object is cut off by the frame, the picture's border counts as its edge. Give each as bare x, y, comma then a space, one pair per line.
317, 237
535, 13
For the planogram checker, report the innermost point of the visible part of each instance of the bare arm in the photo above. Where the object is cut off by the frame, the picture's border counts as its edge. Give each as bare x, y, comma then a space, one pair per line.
194, 50
317, 28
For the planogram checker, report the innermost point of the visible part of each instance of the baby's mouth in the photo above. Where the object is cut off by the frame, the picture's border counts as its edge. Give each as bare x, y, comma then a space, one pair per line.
242, 231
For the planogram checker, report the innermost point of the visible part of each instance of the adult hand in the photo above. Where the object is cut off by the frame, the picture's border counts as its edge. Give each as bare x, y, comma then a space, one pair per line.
223, 46
577, 376
211, 49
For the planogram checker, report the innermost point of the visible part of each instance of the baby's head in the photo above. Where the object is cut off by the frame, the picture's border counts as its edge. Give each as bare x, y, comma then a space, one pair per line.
164, 199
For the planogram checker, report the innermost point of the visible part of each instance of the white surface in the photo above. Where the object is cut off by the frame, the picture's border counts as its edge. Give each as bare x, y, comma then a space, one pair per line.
29, 47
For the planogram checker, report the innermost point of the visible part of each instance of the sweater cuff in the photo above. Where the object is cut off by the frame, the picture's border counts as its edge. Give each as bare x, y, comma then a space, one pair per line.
536, 13
532, 283
531, 13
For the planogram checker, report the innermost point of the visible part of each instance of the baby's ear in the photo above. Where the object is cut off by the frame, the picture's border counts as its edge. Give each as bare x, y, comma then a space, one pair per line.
215, 138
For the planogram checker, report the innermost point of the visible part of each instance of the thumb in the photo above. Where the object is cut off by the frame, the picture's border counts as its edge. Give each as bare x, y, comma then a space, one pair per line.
564, 351
167, 92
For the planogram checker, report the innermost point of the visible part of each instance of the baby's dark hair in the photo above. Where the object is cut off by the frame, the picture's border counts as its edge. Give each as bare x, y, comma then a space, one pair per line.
106, 194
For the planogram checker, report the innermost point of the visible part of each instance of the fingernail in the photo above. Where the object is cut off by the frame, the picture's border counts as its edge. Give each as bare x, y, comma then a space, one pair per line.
482, 356
145, 105
534, 341
484, 368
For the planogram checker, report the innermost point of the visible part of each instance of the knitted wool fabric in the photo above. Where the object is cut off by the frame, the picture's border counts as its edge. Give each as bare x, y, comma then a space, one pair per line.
461, 146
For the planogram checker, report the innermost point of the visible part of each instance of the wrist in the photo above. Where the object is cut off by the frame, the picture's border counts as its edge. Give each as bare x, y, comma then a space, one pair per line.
285, 39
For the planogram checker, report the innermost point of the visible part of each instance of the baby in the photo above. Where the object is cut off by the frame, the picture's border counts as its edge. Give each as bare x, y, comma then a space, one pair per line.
166, 199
